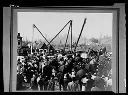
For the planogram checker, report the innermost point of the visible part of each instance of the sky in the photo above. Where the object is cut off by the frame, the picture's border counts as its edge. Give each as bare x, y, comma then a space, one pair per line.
50, 23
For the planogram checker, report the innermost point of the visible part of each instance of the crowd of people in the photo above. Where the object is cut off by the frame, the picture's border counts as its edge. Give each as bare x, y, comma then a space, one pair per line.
64, 72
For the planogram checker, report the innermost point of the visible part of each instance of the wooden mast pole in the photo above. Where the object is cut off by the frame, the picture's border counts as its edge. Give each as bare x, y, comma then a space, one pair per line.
80, 34
67, 36
71, 36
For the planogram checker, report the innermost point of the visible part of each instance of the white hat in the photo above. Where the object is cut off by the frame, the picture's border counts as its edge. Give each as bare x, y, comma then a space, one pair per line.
93, 77
84, 80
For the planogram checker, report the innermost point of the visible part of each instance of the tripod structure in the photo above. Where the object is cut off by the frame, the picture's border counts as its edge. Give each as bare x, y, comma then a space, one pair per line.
70, 29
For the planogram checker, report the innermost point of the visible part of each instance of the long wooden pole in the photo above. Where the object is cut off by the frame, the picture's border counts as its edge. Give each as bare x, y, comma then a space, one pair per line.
71, 36
59, 32
41, 33
80, 34
32, 39
67, 36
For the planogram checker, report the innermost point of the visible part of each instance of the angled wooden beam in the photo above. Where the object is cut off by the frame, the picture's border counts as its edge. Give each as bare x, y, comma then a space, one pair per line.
67, 36
71, 36
59, 32
34, 26
80, 34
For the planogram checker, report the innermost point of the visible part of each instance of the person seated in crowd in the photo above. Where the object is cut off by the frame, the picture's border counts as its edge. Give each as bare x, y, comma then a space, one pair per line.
90, 83
84, 82
73, 85
41, 83
20, 80
66, 80
34, 85
99, 84
108, 81
56, 84
51, 84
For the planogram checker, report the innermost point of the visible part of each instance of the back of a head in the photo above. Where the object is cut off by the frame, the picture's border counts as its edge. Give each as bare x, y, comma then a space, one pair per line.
89, 76
73, 78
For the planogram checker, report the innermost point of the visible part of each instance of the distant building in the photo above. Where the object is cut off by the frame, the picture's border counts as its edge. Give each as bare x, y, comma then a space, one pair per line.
43, 48
19, 46
19, 39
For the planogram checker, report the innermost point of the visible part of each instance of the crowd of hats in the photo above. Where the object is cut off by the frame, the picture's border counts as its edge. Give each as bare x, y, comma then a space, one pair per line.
39, 72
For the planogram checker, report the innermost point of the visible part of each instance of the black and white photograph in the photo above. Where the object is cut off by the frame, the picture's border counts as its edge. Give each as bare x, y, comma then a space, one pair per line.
64, 51
58, 48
